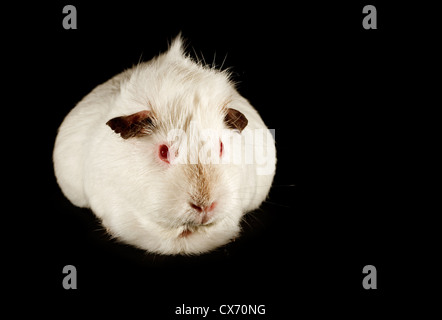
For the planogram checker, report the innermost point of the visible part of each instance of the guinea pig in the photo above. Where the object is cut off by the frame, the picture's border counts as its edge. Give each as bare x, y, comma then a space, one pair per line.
167, 154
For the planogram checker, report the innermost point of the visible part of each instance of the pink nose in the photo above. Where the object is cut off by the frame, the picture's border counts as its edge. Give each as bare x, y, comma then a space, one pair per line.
205, 209
205, 213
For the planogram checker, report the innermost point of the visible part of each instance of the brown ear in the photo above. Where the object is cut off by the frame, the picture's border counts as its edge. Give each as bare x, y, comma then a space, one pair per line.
137, 124
235, 119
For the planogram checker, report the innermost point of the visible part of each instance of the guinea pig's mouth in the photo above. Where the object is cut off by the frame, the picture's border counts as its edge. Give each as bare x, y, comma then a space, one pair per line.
190, 228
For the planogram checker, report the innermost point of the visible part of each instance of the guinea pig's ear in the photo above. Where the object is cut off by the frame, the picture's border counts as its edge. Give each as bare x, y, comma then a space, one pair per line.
137, 124
235, 119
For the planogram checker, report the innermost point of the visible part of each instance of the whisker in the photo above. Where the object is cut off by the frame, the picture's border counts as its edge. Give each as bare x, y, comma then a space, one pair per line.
202, 56
141, 57
214, 61
222, 64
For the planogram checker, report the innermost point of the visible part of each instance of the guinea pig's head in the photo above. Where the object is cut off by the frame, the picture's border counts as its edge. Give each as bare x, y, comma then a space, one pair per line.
184, 190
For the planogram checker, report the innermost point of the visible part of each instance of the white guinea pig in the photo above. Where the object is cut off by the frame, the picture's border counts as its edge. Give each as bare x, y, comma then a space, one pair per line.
167, 154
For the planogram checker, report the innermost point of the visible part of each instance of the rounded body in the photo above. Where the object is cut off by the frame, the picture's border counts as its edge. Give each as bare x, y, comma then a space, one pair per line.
156, 155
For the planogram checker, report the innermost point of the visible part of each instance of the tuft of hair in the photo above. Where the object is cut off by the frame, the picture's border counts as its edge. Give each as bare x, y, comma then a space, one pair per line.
177, 47
177, 50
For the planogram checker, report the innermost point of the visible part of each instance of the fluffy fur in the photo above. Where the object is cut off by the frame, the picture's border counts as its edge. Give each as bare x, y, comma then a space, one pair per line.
140, 199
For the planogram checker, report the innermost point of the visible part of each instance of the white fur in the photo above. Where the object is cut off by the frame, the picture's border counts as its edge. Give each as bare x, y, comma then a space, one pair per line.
140, 200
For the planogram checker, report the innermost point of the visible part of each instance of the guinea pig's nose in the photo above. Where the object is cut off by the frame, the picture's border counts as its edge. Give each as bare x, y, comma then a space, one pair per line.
200, 208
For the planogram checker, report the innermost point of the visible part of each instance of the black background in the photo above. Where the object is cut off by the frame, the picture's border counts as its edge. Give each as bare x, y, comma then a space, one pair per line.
341, 100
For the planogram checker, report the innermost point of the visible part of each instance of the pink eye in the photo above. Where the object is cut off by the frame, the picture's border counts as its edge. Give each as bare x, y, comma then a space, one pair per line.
221, 148
163, 153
